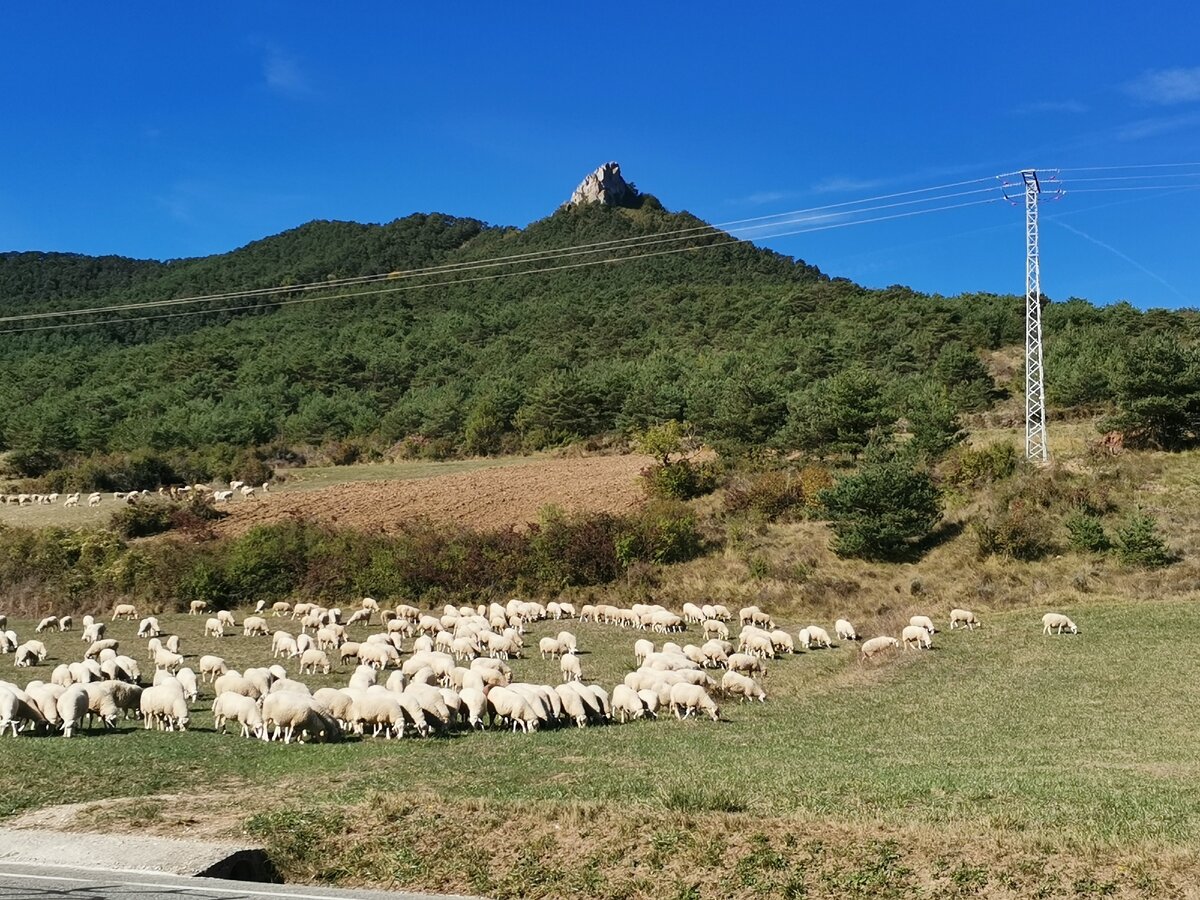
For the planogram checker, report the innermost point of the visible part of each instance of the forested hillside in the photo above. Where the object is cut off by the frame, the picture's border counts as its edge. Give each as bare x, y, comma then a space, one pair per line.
752, 347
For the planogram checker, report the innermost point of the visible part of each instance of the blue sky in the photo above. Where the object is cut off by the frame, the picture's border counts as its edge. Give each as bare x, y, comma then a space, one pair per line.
159, 131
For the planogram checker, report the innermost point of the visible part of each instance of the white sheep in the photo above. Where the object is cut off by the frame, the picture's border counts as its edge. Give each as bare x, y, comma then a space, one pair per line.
818, 637
875, 646
290, 712
1056, 622
172, 643
242, 709
923, 622
124, 611
917, 635
255, 625
149, 628
196, 607
226, 618
212, 667
627, 704
965, 618
687, 699
166, 660
313, 660
844, 630
65, 623
735, 684
507, 704
550, 647
214, 628
100, 646
570, 668
72, 706
165, 706
48, 622
187, 678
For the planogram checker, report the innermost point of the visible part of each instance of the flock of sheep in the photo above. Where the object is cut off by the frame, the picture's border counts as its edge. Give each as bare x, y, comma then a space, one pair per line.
94, 499
456, 673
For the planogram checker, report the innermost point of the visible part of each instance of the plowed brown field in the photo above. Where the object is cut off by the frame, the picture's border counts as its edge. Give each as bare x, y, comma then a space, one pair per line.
488, 498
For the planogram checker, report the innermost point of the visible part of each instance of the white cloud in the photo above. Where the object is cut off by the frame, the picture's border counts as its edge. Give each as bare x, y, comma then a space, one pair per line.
1072, 107
1167, 87
840, 185
283, 74
1155, 126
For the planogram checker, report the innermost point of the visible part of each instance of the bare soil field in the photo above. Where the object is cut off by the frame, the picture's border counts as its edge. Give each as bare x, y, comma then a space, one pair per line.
489, 498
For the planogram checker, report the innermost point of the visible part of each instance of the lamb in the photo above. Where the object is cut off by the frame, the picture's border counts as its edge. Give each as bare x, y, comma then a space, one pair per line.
196, 607
313, 660
687, 699
124, 611
844, 630
965, 618
738, 685
916, 635
214, 628
1056, 622
48, 622
254, 625
876, 645
164, 705
234, 706
923, 622
148, 628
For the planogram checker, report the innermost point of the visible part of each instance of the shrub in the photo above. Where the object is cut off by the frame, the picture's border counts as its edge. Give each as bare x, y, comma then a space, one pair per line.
1015, 532
882, 510
1139, 543
1087, 533
774, 496
679, 480
974, 468
136, 520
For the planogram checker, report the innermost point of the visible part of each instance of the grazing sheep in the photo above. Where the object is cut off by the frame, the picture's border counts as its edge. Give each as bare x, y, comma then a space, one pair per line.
687, 699
283, 644
254, 625
212, 667
71, 707
965, 618
65, 623
48, 622
508, 704
214, 628
817, 637
165, 659
291, 712
735, 684
233, 682
569, 665
1056, 622
280, 608
916, 635
715, 628
37, 649
844, 630
875, 646
92, 631
923, 622
196, 607
187, 678
551, 647
226, 618
627, 704
124, 611
313, 660
172, 643
164, 706
243, 709
148, 628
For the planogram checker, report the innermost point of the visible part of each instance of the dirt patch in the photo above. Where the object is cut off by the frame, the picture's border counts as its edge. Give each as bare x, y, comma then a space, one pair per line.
487, 499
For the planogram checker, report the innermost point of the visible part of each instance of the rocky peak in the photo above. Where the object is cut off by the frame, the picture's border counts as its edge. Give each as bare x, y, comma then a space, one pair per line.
606, 186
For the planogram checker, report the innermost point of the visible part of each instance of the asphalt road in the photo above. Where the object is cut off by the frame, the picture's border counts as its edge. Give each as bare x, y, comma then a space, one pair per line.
25, 882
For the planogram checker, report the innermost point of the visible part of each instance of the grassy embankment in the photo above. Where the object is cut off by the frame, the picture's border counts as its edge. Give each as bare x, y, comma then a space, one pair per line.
1003, 763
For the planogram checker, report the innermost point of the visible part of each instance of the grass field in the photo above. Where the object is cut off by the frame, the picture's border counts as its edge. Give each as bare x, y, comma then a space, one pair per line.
1003, 763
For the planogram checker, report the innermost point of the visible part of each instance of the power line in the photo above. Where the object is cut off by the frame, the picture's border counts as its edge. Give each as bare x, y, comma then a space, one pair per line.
531, 257
731, 241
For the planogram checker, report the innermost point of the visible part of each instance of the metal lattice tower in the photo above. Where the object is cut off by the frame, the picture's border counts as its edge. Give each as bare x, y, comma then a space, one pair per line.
1036, 447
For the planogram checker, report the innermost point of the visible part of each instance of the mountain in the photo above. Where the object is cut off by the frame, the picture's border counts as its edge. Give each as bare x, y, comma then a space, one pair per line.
744, 342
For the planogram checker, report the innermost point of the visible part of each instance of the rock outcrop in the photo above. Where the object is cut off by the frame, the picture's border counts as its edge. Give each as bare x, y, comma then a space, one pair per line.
606, 186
